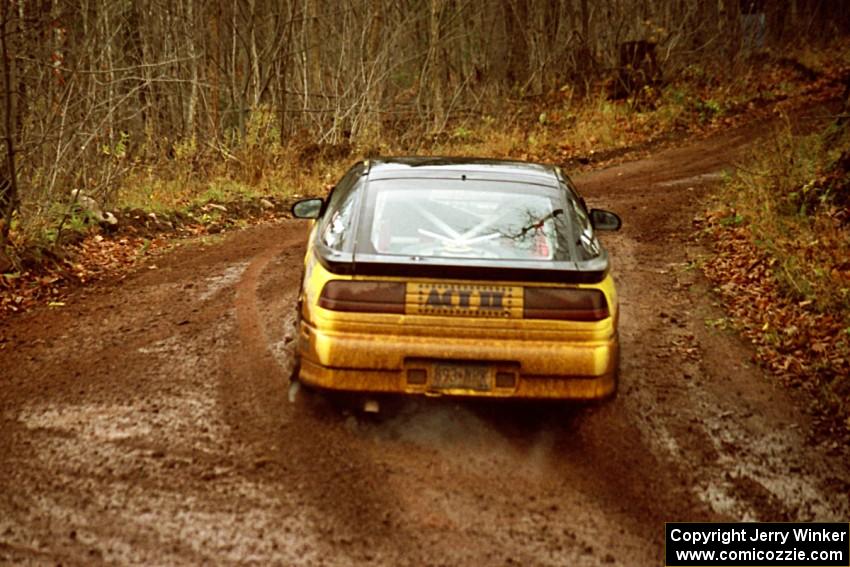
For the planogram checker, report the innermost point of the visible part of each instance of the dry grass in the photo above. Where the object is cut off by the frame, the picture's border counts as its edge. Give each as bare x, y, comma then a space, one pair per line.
811, 247
562, 128
782, 266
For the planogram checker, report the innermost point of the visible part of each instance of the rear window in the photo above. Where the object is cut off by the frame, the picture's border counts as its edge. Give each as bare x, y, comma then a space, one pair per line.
467, 219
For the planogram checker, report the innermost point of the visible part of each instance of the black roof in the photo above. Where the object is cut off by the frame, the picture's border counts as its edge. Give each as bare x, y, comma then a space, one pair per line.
360, 261
454, 167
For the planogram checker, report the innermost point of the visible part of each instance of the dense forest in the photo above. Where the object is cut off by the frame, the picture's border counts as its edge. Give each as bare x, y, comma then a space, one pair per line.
87, 85
152, 279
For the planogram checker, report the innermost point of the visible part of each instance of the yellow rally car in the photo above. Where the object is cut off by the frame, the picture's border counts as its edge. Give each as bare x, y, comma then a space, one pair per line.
446, 276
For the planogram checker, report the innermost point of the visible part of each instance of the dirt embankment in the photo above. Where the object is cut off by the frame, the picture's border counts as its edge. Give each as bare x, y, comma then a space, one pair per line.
148, 422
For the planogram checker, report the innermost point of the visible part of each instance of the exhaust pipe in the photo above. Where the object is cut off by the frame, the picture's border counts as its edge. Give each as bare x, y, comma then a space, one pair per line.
371, 406
294, 387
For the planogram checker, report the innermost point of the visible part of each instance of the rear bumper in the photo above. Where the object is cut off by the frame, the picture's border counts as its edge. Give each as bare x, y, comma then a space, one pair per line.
356, 362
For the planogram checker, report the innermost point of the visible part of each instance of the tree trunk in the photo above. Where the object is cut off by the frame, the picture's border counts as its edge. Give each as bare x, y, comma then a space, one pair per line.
374, 70
108, 33
435, 60
311, 45
9, 181
214, 66
584, 57
191, 107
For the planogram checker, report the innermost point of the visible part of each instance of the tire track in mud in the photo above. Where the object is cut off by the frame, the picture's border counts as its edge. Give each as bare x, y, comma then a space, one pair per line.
626, 466
700, 404
584, 463
256, 383
148, 422
116, 450
303, 449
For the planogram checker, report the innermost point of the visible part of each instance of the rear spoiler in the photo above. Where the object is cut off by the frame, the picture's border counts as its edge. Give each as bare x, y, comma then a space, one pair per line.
585, 272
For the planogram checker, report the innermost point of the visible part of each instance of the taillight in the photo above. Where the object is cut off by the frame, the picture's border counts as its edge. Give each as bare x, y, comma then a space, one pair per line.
363, 296
559, 303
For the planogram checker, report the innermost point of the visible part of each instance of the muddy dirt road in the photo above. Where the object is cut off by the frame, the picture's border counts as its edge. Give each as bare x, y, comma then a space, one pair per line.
147, 422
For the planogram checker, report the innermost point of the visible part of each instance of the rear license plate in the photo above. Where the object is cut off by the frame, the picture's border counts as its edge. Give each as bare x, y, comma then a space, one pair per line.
461, 376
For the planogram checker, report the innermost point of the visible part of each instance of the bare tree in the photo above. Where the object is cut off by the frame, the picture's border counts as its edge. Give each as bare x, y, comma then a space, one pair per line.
9, 178
90, 84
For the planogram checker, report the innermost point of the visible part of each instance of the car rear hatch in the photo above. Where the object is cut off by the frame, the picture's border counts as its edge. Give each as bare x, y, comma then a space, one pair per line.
470, 228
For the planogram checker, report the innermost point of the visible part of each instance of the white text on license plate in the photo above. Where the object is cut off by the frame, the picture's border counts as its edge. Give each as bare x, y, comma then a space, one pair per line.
462, 376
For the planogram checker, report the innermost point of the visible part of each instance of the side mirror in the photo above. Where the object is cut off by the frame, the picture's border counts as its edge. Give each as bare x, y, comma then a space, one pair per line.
307, 208
604, 220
